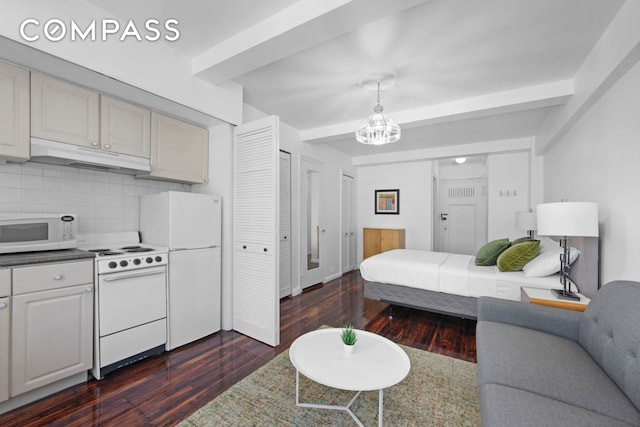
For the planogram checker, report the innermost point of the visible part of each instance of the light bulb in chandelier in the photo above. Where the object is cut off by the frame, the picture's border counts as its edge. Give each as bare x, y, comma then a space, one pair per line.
378, 129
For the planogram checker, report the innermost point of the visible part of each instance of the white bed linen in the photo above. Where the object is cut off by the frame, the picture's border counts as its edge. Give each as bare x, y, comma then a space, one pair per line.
407, 267
449, 273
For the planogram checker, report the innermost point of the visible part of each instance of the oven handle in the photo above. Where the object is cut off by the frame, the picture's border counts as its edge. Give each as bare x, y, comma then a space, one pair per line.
122, 276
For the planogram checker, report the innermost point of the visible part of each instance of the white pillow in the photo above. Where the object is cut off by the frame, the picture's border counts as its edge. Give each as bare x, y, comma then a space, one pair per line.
547, 262
547, 243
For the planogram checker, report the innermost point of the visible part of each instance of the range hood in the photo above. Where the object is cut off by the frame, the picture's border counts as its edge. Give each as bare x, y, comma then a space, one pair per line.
58, 153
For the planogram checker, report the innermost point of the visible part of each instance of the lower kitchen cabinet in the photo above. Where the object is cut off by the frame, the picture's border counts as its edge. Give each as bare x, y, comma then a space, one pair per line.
52, 324
4, 348
52, 336
5, 332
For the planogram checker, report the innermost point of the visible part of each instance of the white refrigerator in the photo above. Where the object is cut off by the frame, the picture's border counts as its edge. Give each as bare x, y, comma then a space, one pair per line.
189, 225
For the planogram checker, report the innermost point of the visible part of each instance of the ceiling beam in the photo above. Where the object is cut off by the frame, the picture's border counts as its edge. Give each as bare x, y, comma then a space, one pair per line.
436, 153
301, 26
617, 50
524, 98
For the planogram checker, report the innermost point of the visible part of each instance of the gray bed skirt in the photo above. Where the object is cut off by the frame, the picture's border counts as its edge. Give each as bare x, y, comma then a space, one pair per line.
438, 302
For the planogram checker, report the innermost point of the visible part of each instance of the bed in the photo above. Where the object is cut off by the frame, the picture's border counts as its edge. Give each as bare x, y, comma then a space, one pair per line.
451, 283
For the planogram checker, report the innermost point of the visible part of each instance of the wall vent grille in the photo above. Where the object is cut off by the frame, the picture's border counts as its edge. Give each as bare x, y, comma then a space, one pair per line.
462, 192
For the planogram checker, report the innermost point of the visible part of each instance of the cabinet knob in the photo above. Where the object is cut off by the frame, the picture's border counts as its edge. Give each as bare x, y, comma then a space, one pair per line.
3, 305
57, 277
94, 143
89, 289
107, 146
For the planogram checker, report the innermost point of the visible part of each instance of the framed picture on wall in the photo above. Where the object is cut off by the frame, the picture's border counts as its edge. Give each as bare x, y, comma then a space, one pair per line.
387, 202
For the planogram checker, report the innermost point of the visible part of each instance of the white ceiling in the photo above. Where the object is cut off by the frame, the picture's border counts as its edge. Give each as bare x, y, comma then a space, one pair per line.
468, 70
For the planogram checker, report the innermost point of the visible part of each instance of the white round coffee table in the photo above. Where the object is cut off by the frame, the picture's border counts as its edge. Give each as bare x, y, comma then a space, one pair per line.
375, 364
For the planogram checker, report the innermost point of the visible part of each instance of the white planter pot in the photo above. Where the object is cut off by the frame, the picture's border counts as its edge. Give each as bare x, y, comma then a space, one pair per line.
348, 349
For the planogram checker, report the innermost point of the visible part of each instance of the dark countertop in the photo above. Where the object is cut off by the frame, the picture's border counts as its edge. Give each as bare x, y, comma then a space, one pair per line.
25, 258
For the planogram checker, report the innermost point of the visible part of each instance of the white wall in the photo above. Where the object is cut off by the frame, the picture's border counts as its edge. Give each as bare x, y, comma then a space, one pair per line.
333, 165
597, 160
103, 201
413, 179
221, 183
508, 191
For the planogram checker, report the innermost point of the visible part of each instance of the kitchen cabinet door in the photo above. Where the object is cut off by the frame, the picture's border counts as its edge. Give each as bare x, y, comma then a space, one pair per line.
64, 112
14, 110
52, 336
4, 348
124, 128
179, 150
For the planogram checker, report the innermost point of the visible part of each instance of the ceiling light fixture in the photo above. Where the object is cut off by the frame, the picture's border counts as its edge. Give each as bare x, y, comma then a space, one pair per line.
378, 129
461, 160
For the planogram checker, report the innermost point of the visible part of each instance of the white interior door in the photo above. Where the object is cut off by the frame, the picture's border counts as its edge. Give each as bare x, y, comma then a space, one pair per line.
347, 224
256, 224
462, 216
285, 224
311, 227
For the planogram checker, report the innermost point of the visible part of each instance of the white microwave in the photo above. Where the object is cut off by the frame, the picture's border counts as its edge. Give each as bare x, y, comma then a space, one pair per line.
29, 232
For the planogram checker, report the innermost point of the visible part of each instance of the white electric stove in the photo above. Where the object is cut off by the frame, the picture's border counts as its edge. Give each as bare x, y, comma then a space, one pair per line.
130, 299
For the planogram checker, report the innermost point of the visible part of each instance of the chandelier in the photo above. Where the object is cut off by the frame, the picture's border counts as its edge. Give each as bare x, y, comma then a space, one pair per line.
378, 129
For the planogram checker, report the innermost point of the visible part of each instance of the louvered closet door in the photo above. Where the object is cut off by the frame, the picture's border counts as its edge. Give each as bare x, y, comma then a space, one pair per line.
285, 224
256, 309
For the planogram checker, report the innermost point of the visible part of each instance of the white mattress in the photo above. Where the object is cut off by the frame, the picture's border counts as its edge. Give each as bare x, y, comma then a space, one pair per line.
448, 273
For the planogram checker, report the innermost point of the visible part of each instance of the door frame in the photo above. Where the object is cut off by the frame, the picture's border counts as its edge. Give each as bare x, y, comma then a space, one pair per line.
317, 275
352, 212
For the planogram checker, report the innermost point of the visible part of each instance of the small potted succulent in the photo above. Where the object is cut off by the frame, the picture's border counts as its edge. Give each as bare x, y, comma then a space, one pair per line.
349, 338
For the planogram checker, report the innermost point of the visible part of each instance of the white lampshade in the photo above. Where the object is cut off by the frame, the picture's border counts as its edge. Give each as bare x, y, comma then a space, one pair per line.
526, 220
568, 219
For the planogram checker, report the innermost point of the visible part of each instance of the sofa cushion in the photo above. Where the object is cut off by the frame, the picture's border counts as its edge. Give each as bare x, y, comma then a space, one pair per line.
502, 406
548, 365
609, 332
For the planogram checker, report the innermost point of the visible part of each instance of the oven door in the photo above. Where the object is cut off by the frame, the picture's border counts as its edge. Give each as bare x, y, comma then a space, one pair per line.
131, 298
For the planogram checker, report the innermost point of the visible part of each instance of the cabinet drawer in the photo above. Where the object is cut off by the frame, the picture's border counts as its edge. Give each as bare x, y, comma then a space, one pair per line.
5, 282
51, 276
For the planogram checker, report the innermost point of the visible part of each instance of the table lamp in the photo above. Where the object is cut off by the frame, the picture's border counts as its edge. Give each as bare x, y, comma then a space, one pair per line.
526, 220
564, 220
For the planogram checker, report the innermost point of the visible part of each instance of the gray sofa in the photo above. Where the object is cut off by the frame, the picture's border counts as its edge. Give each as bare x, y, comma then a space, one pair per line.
541, 366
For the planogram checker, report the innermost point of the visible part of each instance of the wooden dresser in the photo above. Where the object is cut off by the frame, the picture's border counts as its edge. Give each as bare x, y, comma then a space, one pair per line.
378, 240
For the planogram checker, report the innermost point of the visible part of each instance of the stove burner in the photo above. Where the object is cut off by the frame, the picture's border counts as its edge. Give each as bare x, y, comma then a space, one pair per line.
108, 252
131, 247
98, 250
138, 249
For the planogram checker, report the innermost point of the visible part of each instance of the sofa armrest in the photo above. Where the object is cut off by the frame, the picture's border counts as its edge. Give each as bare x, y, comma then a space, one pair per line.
556, 321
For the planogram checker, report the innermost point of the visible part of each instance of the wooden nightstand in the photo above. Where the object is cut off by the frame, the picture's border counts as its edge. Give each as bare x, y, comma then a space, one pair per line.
545, 297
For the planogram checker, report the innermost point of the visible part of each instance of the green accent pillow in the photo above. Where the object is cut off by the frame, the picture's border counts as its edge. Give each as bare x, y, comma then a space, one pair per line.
521, 239
514, 258
489, 253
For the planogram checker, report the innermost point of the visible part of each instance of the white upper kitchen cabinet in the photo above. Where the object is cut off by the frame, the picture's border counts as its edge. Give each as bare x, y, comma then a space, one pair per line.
64, 112
124, 128
179, 150
14, 110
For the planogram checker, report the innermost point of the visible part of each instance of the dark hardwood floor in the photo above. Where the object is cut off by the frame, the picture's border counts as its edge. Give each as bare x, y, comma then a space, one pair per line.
163, 390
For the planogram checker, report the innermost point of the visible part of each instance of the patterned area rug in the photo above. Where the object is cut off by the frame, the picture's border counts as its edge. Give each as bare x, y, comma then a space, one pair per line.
439, 391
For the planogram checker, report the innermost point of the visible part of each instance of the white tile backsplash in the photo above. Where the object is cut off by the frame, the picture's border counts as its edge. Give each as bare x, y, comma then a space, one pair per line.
103, 201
